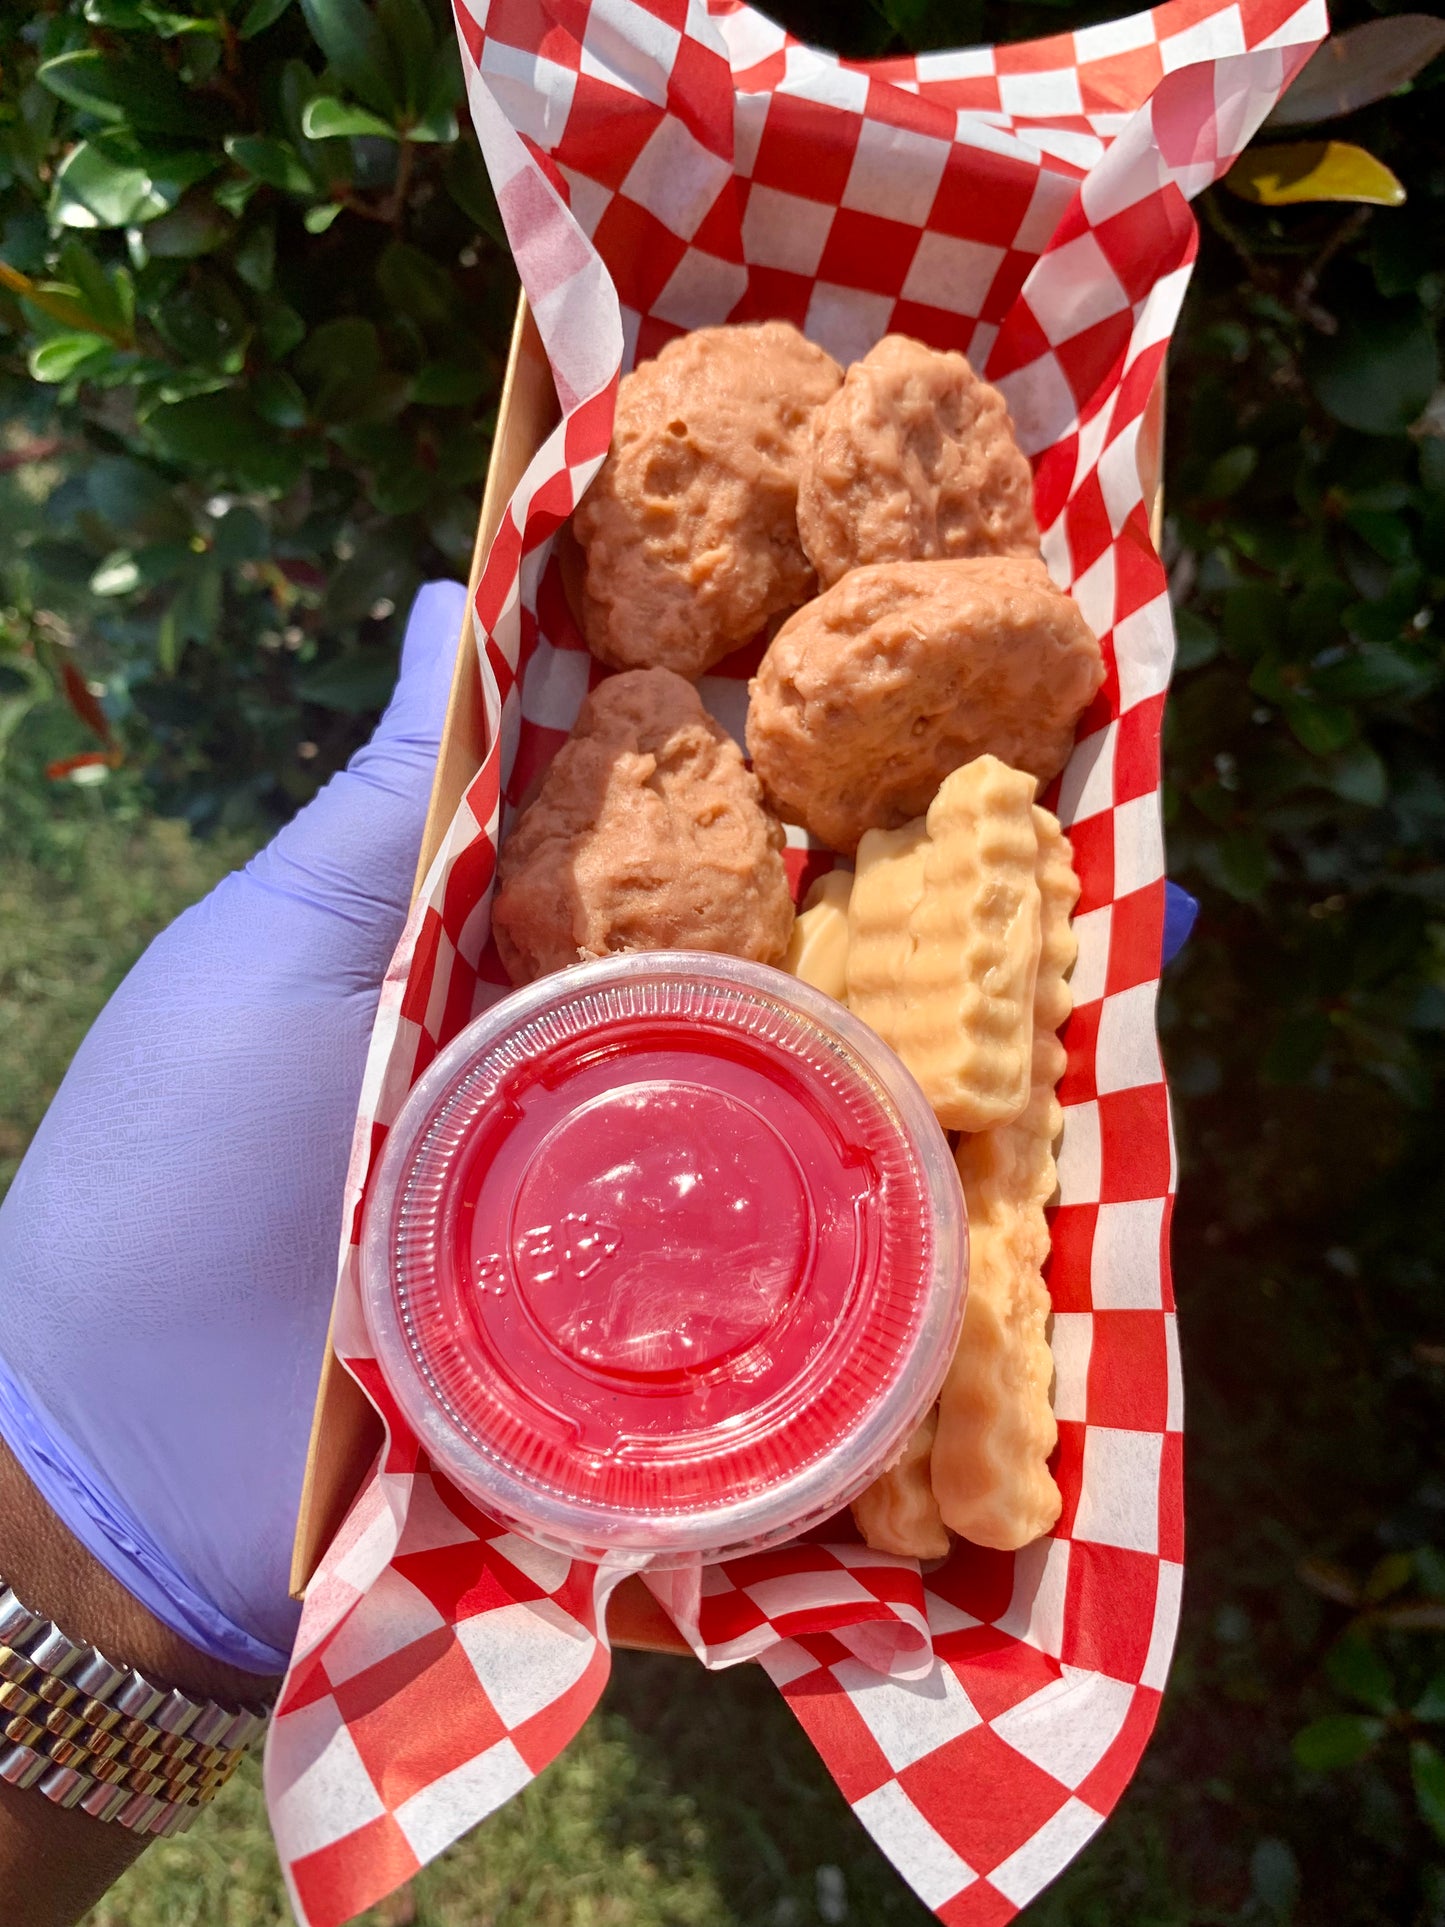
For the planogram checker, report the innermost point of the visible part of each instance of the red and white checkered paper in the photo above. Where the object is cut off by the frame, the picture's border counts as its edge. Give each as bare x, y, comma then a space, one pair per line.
663, 164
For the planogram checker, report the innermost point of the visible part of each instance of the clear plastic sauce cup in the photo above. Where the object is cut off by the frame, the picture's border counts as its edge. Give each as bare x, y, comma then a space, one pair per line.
664, 1258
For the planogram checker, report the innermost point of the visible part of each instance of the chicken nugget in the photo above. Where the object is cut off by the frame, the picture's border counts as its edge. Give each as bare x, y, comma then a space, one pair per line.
900, 673
690, 528
913, 458
648, 833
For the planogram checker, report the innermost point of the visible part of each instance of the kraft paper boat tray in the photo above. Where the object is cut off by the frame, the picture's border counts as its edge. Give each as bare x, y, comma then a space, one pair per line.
345, 1430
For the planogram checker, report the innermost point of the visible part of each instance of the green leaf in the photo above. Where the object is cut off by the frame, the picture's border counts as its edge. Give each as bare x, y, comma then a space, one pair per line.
1358, 775
352, 684
416, 285
316, 220
63, 562
113, 181
236, 195
1320, 727
142, 94
341, 366
241, 536
1197, 642
356, 51
117, 575
1431, 1703
407, 27
1274, 1878
133, 499
123, 15
1427, 1772
1379, 371
168, 642
1244, 864
1389, 1576
1373, 672
1312, 171
440, 125
125, 571
194, 228
282, 328
170, 25
470, 187
1337, 1740
327, 119
260, 15
1230, 472
221, 432
65, 355
1366, 64
1388, 535
1357, 1670
109, 297
449, 384
255, 258
1256, 617
205, 323
271, 161
278, 399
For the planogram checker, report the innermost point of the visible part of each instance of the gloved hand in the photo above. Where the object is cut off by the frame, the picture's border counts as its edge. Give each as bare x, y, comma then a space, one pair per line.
168, 1248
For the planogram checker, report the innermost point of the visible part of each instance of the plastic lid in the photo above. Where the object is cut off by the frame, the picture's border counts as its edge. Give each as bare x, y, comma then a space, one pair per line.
664, 1258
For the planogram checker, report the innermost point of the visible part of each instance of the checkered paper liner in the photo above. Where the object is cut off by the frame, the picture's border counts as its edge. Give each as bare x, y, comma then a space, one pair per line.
664, 164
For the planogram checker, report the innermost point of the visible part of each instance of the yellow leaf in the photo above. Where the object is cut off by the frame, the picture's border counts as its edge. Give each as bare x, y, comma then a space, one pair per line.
1312, 171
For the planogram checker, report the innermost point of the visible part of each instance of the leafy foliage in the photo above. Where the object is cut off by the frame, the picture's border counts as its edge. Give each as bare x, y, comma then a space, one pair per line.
253, 304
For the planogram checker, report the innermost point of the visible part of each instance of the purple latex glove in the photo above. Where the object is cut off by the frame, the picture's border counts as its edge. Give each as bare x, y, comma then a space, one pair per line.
168, 1249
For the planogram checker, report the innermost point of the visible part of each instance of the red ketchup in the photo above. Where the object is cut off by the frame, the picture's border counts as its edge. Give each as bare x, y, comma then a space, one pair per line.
664, 1257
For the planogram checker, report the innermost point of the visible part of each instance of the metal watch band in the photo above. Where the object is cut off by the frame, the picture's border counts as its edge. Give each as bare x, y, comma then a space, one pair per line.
90, 1734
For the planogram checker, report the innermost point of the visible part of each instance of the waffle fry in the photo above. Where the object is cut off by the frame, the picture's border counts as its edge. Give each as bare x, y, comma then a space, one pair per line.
943, 935
818, 948
996, 1426
898, 1512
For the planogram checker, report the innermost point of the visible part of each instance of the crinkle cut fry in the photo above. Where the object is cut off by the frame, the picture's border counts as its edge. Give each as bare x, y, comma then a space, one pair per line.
996, 1426
818, 947
944, 943
898, 1512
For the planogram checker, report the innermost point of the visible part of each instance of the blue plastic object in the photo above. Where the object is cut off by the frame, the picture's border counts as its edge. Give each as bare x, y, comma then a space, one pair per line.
1180, 910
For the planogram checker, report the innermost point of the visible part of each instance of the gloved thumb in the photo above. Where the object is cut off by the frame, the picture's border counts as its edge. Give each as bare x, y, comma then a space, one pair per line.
351, 853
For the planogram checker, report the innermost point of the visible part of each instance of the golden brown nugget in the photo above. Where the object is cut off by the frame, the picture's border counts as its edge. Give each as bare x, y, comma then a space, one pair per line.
690, 528
898, 1512
818, 947
648, 833
943, 944
867, 698
996, 1426
912, 459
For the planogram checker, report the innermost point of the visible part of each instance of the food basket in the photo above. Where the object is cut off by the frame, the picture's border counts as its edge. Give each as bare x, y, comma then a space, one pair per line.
665, 166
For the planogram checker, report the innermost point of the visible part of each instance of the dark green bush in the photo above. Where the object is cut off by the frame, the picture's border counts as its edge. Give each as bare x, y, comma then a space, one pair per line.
253, 309
251, 360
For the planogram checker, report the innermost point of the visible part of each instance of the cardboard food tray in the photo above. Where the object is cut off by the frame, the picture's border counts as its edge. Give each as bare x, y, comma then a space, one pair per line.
346, 1432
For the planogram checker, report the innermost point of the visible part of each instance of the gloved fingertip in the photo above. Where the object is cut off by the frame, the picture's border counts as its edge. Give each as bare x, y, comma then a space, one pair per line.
428, 657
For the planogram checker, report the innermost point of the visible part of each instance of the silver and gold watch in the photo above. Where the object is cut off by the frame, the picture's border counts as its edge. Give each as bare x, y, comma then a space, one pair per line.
89, 1734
